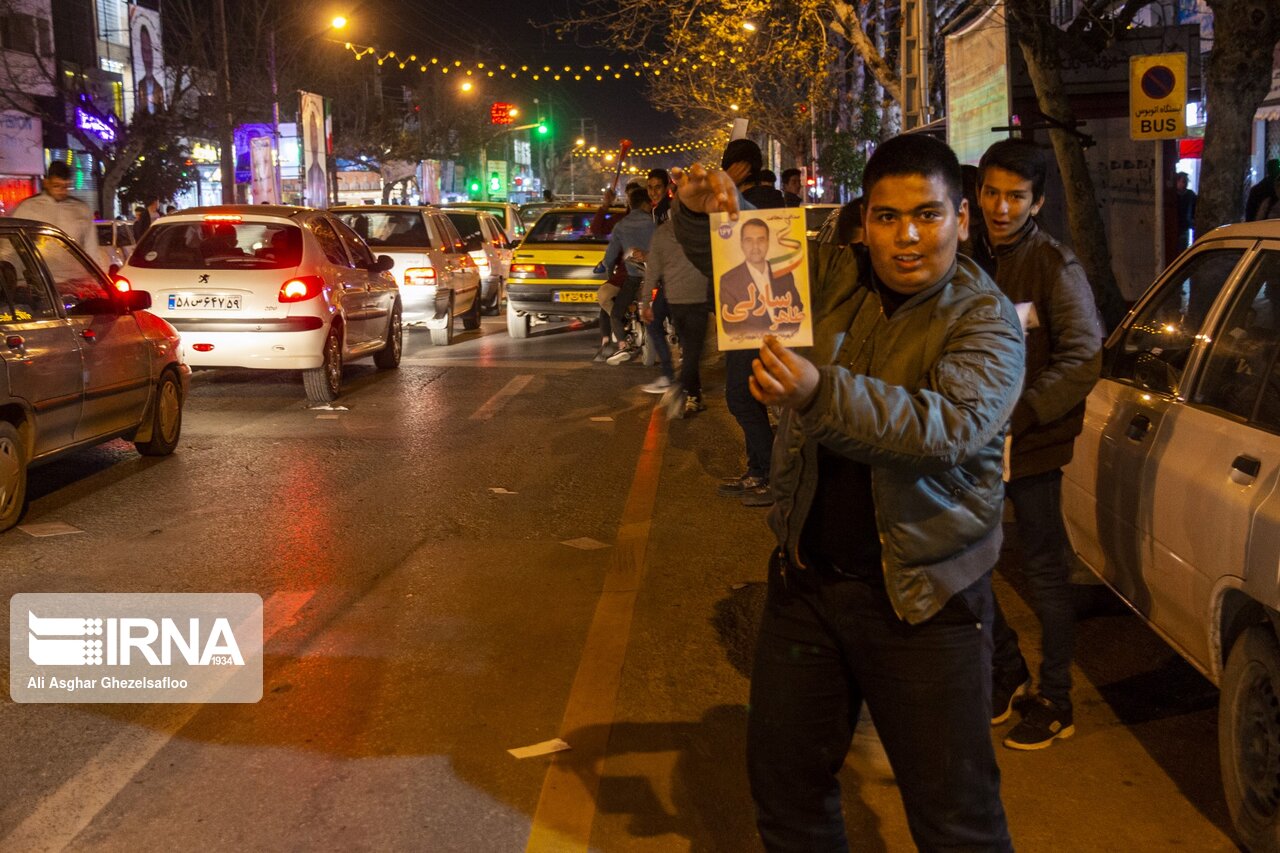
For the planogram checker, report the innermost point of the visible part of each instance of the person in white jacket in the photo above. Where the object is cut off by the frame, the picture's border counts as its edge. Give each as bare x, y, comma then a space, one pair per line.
56, 206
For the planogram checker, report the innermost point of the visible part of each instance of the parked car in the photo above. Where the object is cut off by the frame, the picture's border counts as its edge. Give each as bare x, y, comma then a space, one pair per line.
553, 272
271, 287
1172, 496
116, 239
84, 361
507, 214
438, 280
491, 250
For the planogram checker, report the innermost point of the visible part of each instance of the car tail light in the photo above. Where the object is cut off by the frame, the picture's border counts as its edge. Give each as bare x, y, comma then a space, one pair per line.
528, 271
301, 289
121, 284
224, 217
202, 347
420, 276
466, 261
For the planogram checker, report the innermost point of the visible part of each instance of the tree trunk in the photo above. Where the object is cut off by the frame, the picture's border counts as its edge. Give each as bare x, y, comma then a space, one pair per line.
1237, 79
1088, 234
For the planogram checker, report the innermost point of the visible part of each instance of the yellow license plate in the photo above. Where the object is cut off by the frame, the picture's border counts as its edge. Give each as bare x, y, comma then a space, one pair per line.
575, 296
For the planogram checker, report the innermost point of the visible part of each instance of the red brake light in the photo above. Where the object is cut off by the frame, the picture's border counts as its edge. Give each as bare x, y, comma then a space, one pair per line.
301, 288
465, 261
528, 271
121, 284
224, 217
419, 276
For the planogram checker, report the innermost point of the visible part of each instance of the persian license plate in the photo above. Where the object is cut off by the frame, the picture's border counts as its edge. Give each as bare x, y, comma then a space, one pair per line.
205, 301
574, 296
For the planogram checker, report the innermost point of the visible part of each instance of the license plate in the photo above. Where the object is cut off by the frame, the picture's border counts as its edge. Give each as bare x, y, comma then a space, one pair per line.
574, 296
204, 301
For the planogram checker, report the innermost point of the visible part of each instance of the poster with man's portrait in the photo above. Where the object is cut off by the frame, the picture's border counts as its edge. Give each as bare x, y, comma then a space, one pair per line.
314, 132
148, 59
761, 278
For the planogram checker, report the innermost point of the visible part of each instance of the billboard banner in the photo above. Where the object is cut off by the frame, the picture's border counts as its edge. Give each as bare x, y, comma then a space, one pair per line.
314, 135
148, 59
977, 85
263, 168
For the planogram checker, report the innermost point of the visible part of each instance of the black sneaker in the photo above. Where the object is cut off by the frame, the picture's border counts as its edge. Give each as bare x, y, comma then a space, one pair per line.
738, 486
1006, 691
1042, 723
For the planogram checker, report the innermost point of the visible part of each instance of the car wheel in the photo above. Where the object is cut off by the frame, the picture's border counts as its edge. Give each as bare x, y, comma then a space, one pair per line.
517, 324
324, 382
494, 308
13, 476
1249, 737
166, 418
444, 337
388, 358
471, 319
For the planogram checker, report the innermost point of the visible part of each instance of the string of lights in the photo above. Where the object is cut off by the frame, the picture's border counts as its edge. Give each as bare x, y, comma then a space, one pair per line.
599, 73
649, 151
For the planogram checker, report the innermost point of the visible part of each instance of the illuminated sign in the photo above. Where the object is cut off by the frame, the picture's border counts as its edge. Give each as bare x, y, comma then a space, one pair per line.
99, 127
500, 113
203, 152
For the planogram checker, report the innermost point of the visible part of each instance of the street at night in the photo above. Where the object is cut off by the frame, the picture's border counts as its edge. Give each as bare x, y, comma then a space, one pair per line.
497, 545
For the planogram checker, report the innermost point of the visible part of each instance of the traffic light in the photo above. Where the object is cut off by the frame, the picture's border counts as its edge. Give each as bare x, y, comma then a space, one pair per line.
473, 187
544, 129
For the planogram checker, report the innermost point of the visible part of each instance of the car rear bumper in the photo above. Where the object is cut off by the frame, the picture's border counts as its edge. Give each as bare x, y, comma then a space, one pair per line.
424, 304
548, 299
294, 343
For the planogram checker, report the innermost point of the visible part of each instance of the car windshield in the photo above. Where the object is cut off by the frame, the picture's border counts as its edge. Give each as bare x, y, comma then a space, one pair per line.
219, 244
571, 226
392, 229
468, 225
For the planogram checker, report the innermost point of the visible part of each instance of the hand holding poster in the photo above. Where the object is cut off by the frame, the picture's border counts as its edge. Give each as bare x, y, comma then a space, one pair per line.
761, 278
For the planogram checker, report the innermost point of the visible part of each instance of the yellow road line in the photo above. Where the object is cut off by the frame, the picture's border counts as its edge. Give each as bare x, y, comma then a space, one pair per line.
567, 806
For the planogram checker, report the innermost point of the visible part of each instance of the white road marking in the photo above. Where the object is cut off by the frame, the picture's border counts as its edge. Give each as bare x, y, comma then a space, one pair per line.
65, 813
495, 403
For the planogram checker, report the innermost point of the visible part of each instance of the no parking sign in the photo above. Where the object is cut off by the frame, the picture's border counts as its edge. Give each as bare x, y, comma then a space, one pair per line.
1158, 96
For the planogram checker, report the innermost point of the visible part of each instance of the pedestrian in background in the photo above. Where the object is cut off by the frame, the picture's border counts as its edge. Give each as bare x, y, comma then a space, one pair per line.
742, 162
792, 187
1185, 198
1263, 191
887, 476
684, 288
55, 205
1048, 287
141, 221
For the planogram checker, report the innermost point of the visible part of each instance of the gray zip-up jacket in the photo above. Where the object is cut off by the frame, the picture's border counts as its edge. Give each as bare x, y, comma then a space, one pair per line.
633, 231
923, 399
666, 266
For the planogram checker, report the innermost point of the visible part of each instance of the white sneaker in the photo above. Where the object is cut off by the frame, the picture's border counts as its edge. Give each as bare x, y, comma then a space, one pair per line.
657, 386
619, 357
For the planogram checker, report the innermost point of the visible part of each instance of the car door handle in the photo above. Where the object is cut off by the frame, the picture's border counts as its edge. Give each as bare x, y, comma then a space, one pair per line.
1138, 428
89, 335
1244, 470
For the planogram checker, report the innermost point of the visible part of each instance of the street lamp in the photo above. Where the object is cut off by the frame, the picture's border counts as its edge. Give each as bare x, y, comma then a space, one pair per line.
466, 86
749, 26
339, 22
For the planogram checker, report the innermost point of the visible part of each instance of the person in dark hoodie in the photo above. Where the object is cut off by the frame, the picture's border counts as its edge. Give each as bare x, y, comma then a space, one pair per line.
742, 162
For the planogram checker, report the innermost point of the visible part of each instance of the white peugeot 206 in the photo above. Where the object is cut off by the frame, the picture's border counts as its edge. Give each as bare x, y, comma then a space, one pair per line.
271, 287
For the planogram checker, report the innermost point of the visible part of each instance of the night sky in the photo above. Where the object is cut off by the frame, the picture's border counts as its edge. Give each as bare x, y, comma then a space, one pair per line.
503, 31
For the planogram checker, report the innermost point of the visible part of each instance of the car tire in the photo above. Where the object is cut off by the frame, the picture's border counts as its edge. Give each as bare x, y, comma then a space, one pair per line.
13, 476
166, 418
471, 319
517, 324
444, 337
494, 308
324, 382
1249, 738
388, 358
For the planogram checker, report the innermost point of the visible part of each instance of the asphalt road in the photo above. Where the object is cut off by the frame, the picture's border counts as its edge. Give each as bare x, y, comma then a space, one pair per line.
425, 615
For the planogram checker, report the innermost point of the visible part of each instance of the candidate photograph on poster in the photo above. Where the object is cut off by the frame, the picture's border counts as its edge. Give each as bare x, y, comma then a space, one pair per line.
148, 59
314, 133
761, 278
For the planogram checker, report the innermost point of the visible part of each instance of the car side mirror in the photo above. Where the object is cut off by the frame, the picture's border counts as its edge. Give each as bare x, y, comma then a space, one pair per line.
384, 263
136, 300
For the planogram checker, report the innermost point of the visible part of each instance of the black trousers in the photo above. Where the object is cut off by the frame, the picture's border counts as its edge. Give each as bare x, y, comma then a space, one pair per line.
749, 412
691, 327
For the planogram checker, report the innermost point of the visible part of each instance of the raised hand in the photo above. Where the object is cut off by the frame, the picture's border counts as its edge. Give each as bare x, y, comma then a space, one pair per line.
706, 192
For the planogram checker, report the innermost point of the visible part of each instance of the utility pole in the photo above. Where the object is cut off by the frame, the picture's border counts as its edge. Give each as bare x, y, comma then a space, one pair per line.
226, 137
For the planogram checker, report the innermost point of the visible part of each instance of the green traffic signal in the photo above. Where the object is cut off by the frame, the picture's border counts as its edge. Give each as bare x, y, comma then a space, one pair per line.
543, 130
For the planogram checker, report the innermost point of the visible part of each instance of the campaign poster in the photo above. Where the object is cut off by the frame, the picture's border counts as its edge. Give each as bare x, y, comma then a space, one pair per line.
263, 170
761, 278
314, 131
148, 59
